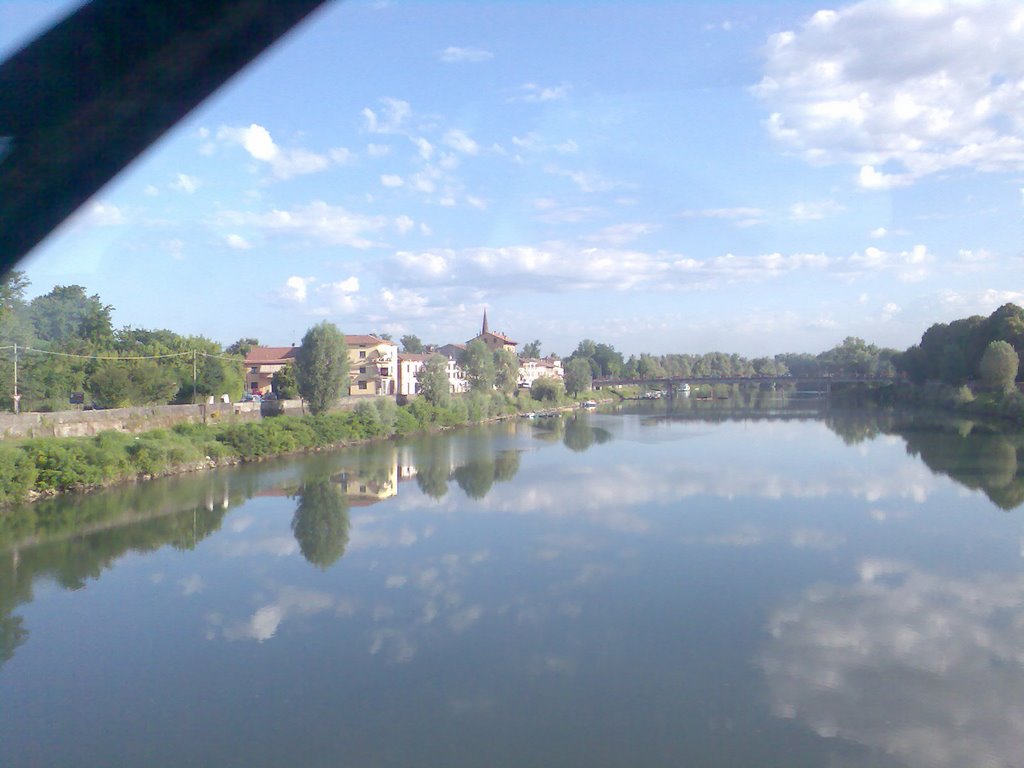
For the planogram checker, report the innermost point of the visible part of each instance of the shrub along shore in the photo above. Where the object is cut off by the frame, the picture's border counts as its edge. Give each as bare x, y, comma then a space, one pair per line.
31, 469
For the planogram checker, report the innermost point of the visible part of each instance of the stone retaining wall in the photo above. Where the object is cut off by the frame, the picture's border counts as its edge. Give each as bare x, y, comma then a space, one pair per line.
139, 419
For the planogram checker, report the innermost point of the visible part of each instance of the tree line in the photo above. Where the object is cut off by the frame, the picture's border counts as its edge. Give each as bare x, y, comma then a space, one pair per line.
67, 344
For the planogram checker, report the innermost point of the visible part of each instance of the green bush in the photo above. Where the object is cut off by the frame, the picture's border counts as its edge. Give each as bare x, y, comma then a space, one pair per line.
17, 473
405, 422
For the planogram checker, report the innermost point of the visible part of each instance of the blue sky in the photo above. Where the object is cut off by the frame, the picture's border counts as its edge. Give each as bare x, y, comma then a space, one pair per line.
666, 177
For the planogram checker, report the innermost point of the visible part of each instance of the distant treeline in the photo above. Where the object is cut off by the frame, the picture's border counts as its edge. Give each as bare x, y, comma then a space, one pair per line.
854, 356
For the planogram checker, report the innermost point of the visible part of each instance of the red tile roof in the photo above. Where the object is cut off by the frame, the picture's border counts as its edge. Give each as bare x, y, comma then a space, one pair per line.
270, 355
364, 339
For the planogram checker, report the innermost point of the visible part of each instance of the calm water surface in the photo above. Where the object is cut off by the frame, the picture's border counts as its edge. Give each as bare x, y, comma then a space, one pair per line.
610, 590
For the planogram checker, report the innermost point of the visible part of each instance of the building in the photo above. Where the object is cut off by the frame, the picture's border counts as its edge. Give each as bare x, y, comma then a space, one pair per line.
373, 366
533, 368
409, 366
493, 341
261, 363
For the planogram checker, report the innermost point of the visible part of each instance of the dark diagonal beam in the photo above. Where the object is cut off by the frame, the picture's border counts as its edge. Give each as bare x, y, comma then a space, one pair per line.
83, 100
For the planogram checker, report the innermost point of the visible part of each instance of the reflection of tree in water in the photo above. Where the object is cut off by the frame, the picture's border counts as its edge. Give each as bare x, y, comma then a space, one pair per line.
855, 427
976, 456
321, 522
579, 435
549, 429
476, 477
52, 545
12, 634
980, 459
433, 466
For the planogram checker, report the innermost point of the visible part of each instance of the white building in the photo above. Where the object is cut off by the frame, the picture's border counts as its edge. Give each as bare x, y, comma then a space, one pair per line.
533, 368
409, 366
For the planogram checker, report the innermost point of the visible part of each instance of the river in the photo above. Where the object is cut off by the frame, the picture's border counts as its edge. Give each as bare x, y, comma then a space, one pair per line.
663, 587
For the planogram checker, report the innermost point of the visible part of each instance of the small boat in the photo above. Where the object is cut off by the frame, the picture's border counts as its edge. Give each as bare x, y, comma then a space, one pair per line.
590, 404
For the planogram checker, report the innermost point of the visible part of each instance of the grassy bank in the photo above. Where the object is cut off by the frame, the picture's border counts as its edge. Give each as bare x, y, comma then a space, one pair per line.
46, 466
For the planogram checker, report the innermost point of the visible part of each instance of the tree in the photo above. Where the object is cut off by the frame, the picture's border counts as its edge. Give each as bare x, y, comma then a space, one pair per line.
532, 349
242, 347
66, 315
578, 377
12, 291
433, 381
321, 366
284, 385
999, 366
321, 523
478, 363
546, 388
412, 344
506, 370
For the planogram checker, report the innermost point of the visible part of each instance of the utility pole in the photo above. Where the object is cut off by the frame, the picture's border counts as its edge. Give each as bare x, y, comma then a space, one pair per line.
193, 377
17, 397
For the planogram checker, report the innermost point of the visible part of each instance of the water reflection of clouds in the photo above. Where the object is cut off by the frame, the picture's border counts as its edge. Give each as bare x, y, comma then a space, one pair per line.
927, 668
606, 497
267, 618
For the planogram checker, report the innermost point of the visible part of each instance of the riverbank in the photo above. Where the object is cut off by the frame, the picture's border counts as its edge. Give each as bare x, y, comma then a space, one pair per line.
1006, 408
44, 467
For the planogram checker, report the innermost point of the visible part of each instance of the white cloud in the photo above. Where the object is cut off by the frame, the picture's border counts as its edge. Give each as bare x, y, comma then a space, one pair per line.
237, 242
105, 215
742, 216
284, 163
185, 183
391, 180
406, 302
341, 295
559, 265
532, 92
534, 142
296, 288
620, 234
460, 142
456, 55
586, 181
424, 147
151, 190
378, 150
317, 220
393, 116
879, 232
968, 256
814, 211
869, 178
909, 265
890, 310
901, 90
403, 224
476, 202
341, 155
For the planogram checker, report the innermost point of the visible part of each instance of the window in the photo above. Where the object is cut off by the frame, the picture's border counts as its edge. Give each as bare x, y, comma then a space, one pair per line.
254, 369
362, 385
363, 369
362, 354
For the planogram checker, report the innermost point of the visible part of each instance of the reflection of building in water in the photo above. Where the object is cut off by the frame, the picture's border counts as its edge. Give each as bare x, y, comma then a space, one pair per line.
406, 463
369, 486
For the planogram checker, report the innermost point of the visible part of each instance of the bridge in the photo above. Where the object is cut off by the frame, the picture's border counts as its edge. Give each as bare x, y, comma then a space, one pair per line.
821, 382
